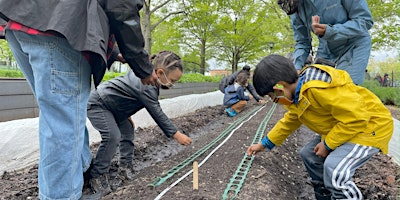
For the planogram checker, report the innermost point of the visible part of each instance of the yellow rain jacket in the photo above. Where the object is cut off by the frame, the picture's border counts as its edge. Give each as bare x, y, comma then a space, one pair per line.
339, 111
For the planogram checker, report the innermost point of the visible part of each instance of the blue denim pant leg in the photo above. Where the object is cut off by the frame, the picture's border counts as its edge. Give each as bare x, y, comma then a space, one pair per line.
127, 146
103, 121
60, 80
355, 60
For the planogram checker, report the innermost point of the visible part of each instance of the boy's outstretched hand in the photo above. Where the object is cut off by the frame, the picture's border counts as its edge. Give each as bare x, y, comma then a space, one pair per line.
254, 149
182, 138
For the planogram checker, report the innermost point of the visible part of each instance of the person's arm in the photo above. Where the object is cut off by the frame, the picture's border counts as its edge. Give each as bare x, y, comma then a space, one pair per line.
149, 98
124, 21
302, 37
277, 135
241, 95
359, 22
283, 128
150, 101
253, 92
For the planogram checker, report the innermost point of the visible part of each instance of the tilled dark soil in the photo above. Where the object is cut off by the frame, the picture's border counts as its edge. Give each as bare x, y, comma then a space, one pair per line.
275, 175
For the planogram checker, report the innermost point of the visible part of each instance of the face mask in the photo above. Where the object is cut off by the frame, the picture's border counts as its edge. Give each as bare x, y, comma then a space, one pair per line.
289, 6
279, 95
167, 85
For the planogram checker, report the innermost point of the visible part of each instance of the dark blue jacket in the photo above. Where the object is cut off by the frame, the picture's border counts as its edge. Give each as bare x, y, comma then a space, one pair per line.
87, 25
233, 94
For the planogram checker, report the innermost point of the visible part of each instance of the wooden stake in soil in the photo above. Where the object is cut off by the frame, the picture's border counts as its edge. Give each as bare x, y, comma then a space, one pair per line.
195, 175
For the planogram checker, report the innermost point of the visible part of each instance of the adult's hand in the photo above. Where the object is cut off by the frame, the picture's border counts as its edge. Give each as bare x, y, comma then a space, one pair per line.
150, 80
120, 58
319, 29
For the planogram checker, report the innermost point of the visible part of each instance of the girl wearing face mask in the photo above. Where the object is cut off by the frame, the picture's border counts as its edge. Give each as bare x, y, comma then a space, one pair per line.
110, 107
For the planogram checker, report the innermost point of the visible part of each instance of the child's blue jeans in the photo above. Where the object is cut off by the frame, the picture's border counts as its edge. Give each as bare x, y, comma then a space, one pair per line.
60, 80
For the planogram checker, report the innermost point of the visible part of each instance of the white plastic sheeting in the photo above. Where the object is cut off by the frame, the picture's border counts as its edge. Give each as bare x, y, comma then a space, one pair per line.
19, 144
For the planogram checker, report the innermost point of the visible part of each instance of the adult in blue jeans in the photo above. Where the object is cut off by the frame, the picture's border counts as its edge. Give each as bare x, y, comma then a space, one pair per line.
58, 52
341, 27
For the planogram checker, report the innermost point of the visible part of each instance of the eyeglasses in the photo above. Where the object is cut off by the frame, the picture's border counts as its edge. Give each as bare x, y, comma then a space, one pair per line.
279, 95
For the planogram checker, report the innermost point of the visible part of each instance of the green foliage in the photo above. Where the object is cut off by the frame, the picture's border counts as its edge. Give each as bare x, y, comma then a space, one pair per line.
244, 31
390, 66
5, 51
385, 32
11, 73
198, 78
111, 75
186, 78
388, 95
165, 36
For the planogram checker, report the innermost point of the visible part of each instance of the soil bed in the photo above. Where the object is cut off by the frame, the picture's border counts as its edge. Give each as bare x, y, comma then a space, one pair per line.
278, 174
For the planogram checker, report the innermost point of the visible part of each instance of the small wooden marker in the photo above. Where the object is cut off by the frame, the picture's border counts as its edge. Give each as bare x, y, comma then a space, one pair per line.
195, 175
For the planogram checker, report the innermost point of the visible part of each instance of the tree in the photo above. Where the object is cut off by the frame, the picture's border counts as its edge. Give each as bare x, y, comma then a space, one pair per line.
386, 30
196, 26
147, 26
5, 53
245, 30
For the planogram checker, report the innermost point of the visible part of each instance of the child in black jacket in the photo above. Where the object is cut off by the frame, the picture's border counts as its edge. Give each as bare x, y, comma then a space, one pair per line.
110, 107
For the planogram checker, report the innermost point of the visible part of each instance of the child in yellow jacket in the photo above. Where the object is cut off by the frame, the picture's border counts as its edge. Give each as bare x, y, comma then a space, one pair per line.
351, 122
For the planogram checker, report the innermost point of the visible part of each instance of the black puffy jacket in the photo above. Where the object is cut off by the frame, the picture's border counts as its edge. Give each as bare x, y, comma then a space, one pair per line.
87, 25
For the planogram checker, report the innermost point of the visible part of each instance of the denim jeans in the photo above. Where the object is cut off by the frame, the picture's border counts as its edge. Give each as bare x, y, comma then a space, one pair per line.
113, 134
335, 172
60, 80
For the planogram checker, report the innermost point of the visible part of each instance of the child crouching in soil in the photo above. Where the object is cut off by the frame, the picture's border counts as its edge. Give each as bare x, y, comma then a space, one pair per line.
110, 107
236, 95
351, 122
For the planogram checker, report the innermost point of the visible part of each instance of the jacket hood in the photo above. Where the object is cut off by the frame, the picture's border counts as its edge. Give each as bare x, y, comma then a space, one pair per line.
338, 77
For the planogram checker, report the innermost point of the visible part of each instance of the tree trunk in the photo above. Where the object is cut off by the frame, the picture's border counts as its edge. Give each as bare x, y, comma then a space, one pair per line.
203, 57
146, 27
235, 61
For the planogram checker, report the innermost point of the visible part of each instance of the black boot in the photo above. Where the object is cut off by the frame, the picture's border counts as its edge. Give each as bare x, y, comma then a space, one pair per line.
101, 184
95, 196
125, 172
321, 193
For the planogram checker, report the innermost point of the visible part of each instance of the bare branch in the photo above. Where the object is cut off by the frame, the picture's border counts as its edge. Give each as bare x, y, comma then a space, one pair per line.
164, 18
159, 6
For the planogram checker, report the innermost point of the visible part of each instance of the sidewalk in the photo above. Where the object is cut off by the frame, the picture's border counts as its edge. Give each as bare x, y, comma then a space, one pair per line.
19, 144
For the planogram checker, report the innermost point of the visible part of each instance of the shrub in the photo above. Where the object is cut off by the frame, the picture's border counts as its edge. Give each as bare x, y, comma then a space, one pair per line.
11, 73
198, 78
111, 75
